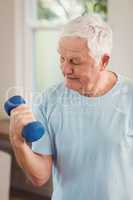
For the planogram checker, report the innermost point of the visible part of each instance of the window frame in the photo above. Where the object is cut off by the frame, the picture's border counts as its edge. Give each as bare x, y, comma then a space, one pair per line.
26, 26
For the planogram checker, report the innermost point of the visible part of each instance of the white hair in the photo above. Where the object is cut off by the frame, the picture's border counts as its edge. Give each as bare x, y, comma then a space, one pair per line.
94, 29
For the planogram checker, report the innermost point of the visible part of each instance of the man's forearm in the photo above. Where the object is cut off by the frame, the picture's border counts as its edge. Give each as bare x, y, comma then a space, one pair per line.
37, 167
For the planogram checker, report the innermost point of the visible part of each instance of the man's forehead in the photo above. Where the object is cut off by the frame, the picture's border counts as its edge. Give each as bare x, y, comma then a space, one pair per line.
72, 44
71, 50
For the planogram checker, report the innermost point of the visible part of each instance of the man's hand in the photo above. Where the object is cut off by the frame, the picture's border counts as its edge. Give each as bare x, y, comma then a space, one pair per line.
20, 116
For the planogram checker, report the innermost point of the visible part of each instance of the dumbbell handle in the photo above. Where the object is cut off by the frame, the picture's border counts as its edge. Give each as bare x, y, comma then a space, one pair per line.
32, 131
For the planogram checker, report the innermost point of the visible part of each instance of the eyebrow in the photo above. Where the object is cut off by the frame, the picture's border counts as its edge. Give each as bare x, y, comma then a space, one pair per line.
76, 58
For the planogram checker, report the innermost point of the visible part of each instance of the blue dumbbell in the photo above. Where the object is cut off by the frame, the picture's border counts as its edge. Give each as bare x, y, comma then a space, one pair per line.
32, 131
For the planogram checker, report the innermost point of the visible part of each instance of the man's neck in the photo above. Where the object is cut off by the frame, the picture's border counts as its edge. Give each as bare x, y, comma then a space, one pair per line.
104, 84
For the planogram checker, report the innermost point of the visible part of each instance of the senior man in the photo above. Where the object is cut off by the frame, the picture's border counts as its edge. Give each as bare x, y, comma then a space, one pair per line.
88, 143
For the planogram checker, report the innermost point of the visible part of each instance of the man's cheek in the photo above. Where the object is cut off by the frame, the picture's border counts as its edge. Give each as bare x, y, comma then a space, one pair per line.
84, 80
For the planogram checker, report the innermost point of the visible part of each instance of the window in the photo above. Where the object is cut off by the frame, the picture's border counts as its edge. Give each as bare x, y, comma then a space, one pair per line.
45, 21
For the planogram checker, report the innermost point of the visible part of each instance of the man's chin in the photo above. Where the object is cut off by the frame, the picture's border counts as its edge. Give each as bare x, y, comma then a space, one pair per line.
72, 86
68, 85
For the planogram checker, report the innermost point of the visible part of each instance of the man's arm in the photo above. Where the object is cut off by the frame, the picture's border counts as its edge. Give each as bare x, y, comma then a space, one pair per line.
37, 167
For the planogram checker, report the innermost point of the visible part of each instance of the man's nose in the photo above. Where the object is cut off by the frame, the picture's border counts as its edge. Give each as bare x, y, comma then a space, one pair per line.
67, 68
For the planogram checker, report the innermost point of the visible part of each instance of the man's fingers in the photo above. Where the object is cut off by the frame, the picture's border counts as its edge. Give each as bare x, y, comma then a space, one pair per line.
24, 118
20, 116
21, 108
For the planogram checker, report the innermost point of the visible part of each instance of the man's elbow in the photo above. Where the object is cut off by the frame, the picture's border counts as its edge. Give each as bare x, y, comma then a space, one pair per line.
38, 182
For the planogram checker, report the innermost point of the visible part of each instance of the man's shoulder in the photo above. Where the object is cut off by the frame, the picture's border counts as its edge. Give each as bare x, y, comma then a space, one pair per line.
127, 86
127, 81
54, 92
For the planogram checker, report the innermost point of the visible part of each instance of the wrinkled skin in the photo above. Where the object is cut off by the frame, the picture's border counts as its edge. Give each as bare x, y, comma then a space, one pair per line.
81, 70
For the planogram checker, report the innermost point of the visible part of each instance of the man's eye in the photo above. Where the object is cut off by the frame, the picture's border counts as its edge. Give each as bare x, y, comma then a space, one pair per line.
74, 62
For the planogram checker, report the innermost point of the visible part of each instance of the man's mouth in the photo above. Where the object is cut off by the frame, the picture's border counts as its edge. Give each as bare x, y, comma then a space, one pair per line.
72, 78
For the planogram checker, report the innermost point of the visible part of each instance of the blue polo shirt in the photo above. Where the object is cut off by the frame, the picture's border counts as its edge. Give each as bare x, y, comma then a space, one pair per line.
91, 141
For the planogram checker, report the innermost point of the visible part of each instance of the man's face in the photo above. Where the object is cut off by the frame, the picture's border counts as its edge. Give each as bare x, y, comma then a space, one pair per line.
79, 68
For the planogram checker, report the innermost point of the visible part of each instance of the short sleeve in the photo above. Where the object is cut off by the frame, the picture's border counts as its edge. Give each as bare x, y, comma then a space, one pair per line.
44, 144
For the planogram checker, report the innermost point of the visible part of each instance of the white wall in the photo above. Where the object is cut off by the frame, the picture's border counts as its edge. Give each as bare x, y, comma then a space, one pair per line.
7, 72
15, 62
121, 20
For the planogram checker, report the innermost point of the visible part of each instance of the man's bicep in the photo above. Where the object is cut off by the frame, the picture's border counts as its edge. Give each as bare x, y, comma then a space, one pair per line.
46, 158
48, 161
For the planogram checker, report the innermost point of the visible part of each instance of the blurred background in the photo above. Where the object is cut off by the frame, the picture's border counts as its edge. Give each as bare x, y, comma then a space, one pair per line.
29, 32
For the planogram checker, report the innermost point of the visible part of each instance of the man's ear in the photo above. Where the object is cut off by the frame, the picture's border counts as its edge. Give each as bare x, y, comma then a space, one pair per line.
104, 61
